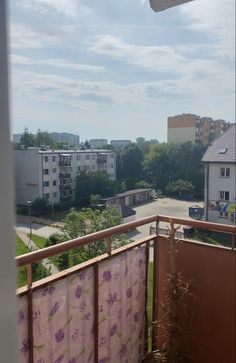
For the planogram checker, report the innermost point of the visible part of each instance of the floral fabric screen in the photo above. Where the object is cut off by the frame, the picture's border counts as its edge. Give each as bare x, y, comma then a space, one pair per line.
63, 315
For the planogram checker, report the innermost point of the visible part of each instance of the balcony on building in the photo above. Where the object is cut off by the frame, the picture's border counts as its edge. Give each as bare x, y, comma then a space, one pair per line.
65, 175
108, 308
65, 160
102, 158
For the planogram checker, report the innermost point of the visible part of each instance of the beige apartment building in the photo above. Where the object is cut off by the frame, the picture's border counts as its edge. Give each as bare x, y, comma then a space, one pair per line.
51, 174
190, 127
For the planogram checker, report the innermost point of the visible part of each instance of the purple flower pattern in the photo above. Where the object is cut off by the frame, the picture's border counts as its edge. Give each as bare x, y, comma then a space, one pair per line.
53, 310
123, 350
59, 336
112, 299
25, 346
107, 275
113, 330
121, 314
21, 316
78, 292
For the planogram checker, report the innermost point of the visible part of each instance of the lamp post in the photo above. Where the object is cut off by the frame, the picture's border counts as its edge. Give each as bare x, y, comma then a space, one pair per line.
29, 204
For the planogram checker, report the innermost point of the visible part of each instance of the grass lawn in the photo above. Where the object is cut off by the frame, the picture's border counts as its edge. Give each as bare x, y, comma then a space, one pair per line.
38, 240
21, 249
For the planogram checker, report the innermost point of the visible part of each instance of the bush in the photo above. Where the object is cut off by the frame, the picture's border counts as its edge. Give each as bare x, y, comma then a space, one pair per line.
180, 188
40, 207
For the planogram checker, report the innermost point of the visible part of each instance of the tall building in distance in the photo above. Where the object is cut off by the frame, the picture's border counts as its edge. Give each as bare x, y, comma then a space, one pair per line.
51, 174
98, 143
190, 127
120, 143
65, 138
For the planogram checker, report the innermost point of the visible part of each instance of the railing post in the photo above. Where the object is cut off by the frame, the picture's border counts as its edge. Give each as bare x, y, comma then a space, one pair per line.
172, 248
146, 339
233, 246
96, 313
30, 313
155, 290
109, 245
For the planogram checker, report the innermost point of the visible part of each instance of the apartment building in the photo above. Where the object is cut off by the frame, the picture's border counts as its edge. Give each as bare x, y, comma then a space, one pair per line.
120, 143
97, 142
52, 174
220, 179
65, 137
190, 127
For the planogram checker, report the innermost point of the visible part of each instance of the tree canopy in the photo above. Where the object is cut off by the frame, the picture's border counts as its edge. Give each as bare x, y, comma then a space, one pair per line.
77, 224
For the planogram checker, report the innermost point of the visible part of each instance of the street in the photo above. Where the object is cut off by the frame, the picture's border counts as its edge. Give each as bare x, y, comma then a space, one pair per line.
164, 206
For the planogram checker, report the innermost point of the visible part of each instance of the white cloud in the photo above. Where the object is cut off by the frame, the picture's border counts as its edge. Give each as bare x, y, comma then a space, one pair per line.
68, 8
215, 18
182, 61
91, 94
25, 37
57, 62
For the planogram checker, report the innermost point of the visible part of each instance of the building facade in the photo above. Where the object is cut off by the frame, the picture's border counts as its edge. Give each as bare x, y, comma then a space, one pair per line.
97, 142
120, 143
190, 127
65, 137
52, 174
220, 179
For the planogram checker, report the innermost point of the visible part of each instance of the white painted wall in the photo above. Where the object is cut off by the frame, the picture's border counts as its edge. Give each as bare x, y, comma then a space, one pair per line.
26, 175
217, 184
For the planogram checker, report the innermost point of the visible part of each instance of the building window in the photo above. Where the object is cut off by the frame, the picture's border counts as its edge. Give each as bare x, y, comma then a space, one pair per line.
54, 194
93, 167
112, 166
46, 195
46, 159
225, 172
54, 170
87, 157
54, 182
54, 158
224, 195
45, 171
93, 157
112, 156
46, 183
78, 157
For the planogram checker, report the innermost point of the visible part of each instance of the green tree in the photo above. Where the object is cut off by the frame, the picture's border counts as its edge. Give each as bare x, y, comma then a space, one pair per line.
27, 139
129, 162
93, 183
94, 199
180, 188
165, 163
43, 138
77, 224
40, 207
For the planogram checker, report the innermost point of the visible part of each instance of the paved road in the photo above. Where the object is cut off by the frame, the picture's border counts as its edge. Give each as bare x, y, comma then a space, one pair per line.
165, 206
39, 229
32, 247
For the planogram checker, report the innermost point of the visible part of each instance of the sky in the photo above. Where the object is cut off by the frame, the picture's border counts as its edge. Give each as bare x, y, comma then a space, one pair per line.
115, 69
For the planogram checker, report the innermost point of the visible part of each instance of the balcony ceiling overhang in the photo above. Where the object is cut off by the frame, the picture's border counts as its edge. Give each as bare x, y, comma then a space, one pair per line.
159, 5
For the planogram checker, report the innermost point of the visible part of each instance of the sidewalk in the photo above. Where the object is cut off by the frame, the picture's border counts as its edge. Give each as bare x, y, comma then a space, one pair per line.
52, 269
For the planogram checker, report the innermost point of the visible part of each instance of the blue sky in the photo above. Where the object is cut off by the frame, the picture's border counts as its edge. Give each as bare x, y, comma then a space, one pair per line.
115, 69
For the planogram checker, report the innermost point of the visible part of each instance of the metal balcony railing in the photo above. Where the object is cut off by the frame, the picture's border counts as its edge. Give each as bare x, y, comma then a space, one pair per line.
121, 277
